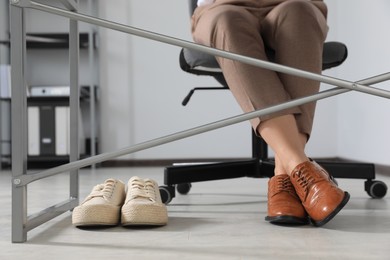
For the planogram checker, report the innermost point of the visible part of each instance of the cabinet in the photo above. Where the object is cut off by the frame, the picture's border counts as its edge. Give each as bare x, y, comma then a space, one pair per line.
49, 128
47, 81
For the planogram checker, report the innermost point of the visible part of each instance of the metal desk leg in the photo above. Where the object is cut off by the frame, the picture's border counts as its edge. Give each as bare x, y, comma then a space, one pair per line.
74, 103
19, 123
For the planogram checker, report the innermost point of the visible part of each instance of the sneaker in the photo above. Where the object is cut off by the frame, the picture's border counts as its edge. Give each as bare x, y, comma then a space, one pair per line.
102, 206
143, 205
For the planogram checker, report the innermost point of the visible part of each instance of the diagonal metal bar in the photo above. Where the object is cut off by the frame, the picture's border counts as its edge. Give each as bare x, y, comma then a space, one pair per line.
25, 179
216, 52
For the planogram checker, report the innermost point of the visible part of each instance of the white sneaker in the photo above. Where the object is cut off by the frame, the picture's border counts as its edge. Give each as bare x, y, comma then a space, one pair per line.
143, 205
102, 206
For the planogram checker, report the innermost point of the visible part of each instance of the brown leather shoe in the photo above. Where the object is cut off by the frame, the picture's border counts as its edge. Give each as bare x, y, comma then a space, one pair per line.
284, 205
319, 194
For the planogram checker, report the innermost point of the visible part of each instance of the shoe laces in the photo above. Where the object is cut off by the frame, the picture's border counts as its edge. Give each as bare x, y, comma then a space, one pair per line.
303, 179
104, 190
284, 184
142, 189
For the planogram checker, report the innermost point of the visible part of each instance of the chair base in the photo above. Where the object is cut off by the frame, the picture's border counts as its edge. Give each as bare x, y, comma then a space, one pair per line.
181, 176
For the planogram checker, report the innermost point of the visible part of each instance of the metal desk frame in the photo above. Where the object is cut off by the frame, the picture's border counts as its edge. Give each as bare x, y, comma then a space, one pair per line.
21, 222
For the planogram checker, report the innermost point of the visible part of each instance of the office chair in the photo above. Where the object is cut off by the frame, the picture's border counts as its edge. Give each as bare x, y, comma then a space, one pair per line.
180, 177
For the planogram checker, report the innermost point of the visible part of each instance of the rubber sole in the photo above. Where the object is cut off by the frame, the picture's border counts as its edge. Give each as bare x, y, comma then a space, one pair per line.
287, 220
134, 214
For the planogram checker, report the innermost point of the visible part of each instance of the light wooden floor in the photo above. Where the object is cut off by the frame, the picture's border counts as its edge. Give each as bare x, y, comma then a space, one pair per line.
217, 220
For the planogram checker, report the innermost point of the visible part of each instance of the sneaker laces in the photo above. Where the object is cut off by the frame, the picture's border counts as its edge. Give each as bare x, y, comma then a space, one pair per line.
151, 189
104, 190
142, 189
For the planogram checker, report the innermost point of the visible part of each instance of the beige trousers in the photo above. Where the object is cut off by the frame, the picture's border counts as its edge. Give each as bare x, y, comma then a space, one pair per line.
294, 29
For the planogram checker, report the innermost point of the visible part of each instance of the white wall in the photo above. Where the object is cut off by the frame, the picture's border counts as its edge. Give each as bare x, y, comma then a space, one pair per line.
363, 128
146, 101
142, 87
116, 99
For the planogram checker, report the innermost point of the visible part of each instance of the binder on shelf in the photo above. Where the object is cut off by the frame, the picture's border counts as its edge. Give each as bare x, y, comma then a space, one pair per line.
33, 130
49, 91
5, 81
62, 130
37, 91
47, 130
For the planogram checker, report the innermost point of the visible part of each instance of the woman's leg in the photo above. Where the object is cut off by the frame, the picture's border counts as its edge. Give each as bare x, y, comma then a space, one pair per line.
237, 29
281, 133
296, 30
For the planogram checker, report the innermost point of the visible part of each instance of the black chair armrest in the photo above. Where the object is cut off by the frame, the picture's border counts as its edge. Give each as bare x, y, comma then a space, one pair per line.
335, 53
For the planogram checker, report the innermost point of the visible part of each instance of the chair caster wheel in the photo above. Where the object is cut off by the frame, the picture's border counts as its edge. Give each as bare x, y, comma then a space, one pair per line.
376, 189
183, 188
167, 193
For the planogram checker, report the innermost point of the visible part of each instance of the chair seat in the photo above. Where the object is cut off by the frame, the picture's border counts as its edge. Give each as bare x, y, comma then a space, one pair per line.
199, 63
